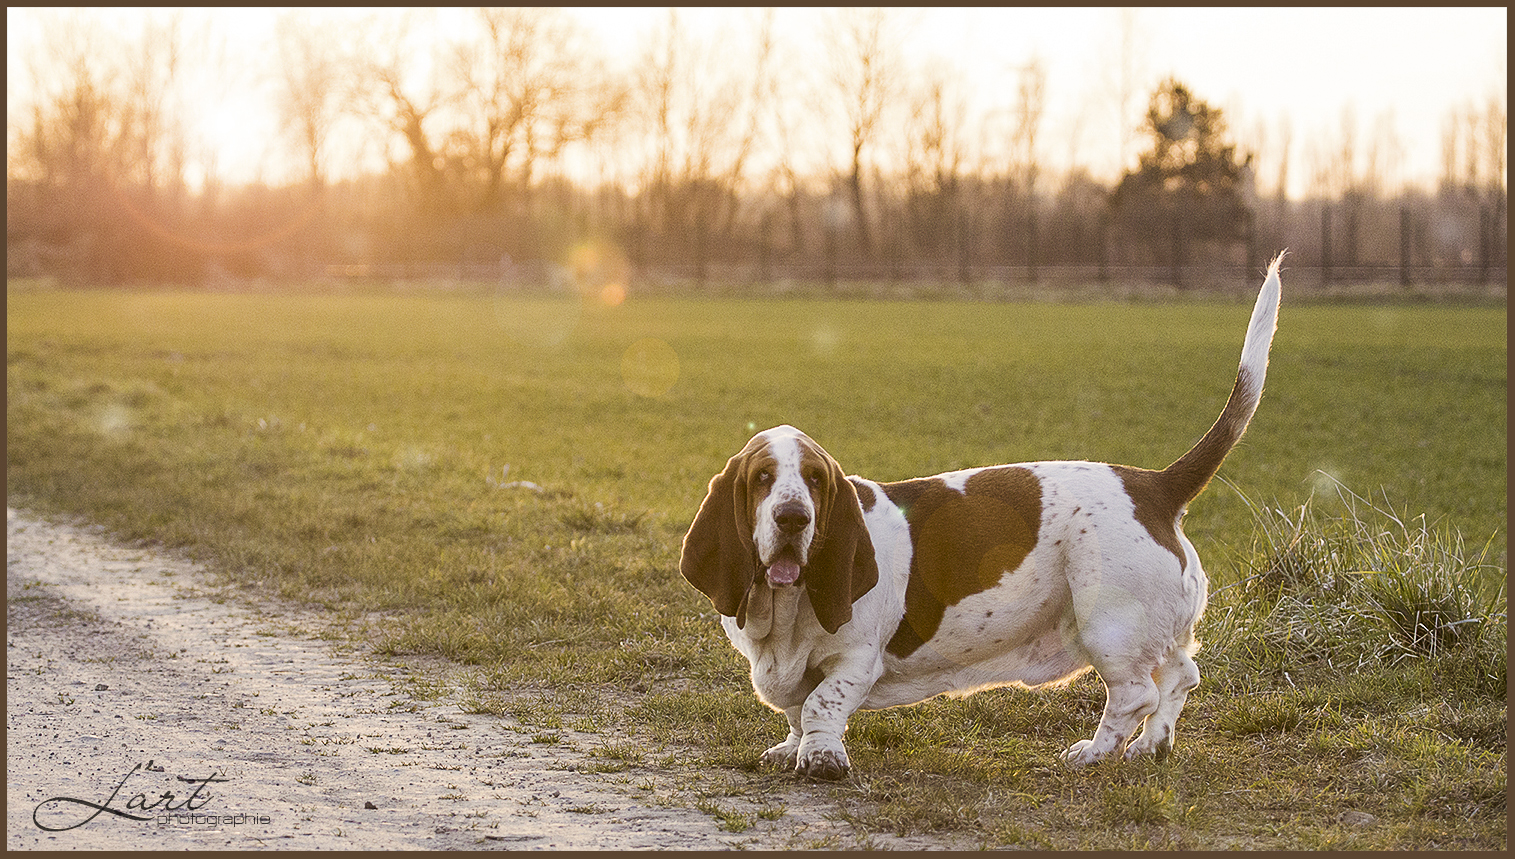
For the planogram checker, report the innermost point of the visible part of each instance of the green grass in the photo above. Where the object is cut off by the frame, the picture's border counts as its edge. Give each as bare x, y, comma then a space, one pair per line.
504, 483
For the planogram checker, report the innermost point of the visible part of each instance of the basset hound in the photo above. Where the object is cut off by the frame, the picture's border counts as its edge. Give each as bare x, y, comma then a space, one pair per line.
846, 593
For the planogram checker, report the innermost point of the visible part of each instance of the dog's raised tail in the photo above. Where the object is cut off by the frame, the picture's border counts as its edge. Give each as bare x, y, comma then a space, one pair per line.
1189, 475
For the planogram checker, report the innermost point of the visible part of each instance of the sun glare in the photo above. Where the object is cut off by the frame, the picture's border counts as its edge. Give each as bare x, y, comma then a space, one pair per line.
231, 141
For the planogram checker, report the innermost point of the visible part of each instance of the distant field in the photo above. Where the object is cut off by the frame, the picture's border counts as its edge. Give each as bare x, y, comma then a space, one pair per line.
1410, 400
368, 453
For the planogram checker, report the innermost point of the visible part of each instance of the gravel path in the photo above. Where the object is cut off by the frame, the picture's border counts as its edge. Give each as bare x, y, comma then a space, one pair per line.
129, 685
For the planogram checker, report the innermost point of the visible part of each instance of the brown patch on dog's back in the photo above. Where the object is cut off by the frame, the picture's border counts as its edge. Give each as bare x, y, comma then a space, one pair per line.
965, 542
1156, 509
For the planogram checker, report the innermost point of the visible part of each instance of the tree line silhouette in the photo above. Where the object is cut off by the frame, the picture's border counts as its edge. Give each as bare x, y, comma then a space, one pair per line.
705, 171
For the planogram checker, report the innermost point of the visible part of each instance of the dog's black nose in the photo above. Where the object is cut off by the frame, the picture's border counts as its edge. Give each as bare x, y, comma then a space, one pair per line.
791, 517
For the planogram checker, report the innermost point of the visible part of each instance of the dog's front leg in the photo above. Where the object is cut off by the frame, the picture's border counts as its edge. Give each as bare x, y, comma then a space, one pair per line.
823, 718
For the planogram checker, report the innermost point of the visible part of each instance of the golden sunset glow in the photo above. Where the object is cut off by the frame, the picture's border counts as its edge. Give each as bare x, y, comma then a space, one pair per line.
599, 150
1295, 75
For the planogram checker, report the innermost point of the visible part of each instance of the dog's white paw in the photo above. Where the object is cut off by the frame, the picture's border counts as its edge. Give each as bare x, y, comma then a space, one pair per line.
1085, 752
783, 755
1158, 743
1081, 753
823, 759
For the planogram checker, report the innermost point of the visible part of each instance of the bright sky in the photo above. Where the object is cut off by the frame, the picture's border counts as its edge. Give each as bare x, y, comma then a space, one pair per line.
1400, 71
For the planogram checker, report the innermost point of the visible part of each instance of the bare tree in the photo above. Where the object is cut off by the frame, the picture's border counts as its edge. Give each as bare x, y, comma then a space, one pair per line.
1030, 108
1123, 80
684, 123
1474, 182
1481, 132
782, 131
154, 135
309, 89
108, 100
1341, 164
702, 117
384, 86
1355, 173
1267, 196
1474, 155
1496, 142
1450, 172
1384, 157
1285, 142
761, 90
864, 74
1496, 130
1473, 163
528, 88
72, 125
935, 152
101, 153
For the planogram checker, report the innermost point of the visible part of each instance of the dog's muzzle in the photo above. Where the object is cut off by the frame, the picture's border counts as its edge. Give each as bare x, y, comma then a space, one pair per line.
791, 518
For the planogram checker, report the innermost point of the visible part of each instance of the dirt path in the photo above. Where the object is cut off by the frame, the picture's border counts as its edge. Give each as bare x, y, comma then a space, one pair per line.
130, 686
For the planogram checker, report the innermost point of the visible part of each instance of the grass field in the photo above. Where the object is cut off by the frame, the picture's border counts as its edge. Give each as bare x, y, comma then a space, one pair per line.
504, 482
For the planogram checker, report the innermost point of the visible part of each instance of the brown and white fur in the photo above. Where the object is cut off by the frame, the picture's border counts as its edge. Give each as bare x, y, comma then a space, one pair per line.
846, 594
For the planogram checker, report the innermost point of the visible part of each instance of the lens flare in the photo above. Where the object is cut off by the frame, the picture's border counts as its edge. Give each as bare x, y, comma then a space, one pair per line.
650, 367
114, 421
824, 339
613, 294
598, 268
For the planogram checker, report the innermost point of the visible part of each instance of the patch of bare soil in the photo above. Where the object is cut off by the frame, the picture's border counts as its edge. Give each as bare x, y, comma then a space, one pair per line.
145, 712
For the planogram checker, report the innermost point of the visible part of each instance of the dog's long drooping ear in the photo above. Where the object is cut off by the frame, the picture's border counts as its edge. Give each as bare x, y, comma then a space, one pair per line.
718, 556
843, 567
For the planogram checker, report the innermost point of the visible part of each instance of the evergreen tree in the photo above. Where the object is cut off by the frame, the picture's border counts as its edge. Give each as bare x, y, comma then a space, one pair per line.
1188, 185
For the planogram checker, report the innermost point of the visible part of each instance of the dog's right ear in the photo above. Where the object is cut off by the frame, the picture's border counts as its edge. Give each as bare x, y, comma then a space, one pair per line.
719, 557
844, 567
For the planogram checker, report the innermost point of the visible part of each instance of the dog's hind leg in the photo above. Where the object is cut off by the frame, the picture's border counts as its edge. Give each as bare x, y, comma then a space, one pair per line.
1175, 677
1129, 699
1177, 674
1115, 650
1117, 630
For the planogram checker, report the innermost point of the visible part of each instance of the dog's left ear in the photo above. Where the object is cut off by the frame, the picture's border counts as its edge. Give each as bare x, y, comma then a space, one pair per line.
718, 555
842, 568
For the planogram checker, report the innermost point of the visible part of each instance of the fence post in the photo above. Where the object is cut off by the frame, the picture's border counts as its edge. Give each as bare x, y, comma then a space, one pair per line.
1104, 247
964, 258
1176, 273
1031, 241
1325, 245
765, 237
1404, 246
1485, 243
831, 250
700, 249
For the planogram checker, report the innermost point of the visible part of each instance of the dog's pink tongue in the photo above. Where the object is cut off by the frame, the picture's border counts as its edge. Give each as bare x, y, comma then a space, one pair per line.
785, 571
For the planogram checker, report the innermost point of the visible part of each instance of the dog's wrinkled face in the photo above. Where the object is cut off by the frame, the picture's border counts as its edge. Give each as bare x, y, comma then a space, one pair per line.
781, 509
789, 490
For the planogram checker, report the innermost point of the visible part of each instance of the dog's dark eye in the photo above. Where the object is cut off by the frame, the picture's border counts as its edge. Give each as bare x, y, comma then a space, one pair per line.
764, 477
813, 478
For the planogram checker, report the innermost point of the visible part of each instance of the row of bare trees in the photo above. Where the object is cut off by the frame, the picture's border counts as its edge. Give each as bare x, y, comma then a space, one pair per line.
511, 141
